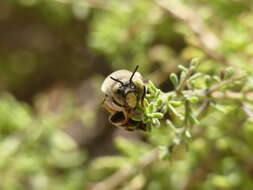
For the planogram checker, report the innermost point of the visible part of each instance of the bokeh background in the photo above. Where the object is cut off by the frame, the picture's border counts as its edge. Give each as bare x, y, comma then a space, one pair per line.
54, 55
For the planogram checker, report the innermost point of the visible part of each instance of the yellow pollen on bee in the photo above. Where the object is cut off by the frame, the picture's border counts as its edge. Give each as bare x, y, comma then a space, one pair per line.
131, 100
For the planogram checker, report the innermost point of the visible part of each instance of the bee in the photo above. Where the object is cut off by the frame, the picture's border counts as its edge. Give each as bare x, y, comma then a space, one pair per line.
124, 91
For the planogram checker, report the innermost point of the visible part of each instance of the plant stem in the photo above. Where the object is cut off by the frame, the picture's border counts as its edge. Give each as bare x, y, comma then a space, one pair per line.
183, 83
126, 172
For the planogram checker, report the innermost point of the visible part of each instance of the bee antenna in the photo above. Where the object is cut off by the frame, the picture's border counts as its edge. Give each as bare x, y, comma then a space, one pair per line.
117, 80
131, 78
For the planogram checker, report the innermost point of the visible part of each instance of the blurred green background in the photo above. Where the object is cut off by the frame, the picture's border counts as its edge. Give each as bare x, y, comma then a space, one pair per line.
54, 55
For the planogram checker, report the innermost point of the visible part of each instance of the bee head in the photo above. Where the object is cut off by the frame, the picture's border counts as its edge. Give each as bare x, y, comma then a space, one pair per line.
127, 90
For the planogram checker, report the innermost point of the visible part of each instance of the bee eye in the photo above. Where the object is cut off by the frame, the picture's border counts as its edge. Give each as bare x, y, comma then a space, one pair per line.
119, 91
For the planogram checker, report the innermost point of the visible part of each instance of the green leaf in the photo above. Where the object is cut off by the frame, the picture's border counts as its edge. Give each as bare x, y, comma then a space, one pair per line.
188, 134
193, 119
193, 99
129, 148
163, 152
150, 107
216, 78
195, 76
152, 86
181, 67
182, 76
157, 115
218, 107
208, 80
174, 111
159, 102
229, 72
176, 130
176, 103
164, 109
174, 79
194, 62
146, 104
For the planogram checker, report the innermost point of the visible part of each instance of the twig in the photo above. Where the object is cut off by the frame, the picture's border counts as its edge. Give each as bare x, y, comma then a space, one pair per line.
126, 172
233, 95
202, 170
87, 3
203, 109
227, 95
207, 40
223, 83
247, 111
183, 83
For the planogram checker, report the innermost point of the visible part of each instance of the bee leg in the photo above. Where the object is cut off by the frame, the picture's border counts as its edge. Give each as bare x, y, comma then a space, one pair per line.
143, 96
128, 129
132, 125
117, 118
141, 126
109, 109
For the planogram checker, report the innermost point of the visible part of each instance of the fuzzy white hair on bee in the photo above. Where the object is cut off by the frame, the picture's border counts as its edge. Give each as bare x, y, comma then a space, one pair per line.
120, 77
123, 90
